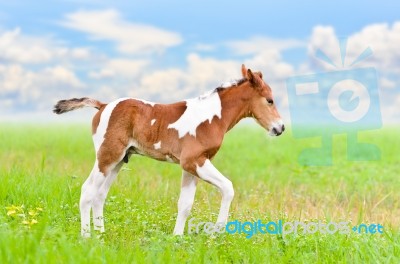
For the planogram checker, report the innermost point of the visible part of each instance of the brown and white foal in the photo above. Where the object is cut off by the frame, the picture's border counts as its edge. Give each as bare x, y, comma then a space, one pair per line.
188, 133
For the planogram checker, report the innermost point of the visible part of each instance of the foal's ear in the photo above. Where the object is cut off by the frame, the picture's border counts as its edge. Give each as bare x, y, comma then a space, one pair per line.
244, 71
255, 78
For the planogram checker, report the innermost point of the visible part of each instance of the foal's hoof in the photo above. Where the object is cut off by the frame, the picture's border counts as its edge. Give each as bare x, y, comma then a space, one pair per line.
85, 234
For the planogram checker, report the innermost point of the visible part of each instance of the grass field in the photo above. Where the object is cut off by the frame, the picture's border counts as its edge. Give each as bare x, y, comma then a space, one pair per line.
43, 167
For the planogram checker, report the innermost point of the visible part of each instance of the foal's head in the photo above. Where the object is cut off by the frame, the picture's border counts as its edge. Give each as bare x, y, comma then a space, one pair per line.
261, 105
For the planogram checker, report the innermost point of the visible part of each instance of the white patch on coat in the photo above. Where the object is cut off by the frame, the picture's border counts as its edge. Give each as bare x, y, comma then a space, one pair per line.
157, 145
152, 122
101, 130
197, 111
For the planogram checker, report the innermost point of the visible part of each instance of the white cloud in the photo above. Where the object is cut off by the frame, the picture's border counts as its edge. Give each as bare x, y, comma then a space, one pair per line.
206, 73
260, 44
80, 53
120, 68
383, 40
36, 87
16, 47
390, 111
324, 38
59, 73
271, 64
199, 76
111, 77
386, 83
164, 85
130, 38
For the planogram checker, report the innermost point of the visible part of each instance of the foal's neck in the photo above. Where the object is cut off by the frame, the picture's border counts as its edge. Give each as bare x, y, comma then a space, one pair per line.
234, 107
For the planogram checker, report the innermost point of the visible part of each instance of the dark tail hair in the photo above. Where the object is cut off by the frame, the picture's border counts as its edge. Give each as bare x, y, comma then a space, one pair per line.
64, 106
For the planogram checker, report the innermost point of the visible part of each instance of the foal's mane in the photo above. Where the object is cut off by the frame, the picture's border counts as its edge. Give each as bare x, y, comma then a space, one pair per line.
234, 83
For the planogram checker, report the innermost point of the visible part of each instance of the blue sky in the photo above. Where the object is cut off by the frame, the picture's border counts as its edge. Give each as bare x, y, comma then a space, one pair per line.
169, 50
211, 20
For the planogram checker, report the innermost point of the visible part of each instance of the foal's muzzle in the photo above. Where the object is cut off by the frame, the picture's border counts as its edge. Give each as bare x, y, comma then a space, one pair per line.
276, 129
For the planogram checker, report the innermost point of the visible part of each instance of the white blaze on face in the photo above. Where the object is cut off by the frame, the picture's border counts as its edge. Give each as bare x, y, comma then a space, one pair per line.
157, 145
197, 111
101, 130
152, 122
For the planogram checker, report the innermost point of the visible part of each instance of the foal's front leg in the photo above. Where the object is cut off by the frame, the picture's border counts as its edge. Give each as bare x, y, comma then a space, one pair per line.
210, 174
186, 198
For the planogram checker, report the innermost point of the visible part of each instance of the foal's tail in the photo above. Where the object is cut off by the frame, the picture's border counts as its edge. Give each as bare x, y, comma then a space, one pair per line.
75, 103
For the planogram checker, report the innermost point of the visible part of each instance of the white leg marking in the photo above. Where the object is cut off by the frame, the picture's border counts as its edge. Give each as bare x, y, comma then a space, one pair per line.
197, 111
186, 198
100, 197
89, 190
210, 174
157, 145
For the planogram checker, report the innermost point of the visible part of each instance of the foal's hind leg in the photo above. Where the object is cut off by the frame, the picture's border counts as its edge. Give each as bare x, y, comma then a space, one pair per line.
185, 202
100, 197
89, 189
96, 187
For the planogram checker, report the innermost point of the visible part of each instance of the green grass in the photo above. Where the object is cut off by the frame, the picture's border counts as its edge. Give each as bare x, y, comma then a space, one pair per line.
44, 167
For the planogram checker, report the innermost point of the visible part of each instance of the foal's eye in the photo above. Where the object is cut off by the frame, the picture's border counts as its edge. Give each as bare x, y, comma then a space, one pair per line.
270, 101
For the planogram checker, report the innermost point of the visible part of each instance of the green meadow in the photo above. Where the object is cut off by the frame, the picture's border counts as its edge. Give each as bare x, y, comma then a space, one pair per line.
42, 168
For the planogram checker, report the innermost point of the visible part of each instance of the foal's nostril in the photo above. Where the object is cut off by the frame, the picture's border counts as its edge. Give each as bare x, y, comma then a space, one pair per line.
274, 131
283, 128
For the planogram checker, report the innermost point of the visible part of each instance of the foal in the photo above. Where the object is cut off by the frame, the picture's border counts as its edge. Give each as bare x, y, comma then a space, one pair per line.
188, 133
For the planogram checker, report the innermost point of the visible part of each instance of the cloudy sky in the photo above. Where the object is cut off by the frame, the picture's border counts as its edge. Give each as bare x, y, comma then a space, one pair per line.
169, 50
